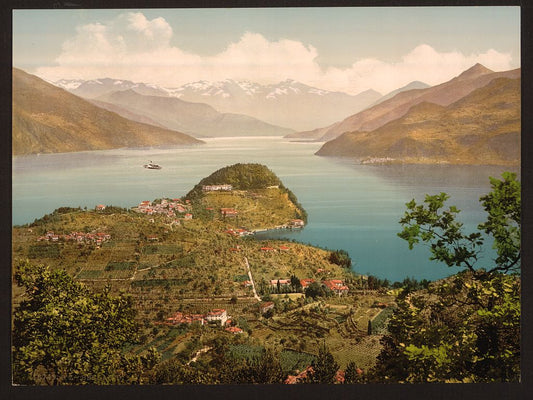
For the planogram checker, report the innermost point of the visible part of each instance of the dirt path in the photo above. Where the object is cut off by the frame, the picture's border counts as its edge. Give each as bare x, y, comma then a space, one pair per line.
251, 279
197, 354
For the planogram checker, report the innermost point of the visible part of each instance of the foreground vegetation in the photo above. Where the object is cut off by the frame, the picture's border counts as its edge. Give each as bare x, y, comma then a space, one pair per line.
114, 299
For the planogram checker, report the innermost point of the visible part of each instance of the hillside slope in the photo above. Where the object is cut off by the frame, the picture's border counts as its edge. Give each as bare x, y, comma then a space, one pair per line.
47, 119
389, 110
481, 128
196, 119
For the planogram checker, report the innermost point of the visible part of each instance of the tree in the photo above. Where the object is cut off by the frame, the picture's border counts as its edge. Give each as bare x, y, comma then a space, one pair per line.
266, 368
296, 284
340, 257
439, 228
351, 374
173, 371
314, 290
65, 334
324, 367
467, 327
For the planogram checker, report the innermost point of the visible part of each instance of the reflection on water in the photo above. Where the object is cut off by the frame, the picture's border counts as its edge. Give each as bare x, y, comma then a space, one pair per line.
350, 206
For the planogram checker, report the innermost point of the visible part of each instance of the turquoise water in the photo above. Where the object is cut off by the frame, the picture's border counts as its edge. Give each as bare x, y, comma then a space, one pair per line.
352, 207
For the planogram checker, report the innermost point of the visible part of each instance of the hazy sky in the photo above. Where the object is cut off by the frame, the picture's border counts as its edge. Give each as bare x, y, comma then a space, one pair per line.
345, 49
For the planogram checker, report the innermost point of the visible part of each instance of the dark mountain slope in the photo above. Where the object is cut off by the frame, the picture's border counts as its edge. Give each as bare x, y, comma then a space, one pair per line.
47, 119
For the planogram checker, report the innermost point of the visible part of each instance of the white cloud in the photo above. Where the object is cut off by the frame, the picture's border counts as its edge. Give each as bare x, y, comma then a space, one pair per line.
135, 48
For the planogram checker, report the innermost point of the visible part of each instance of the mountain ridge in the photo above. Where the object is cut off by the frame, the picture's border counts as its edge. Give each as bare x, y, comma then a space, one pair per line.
482, 128
391, 109
270, 103
48, 119
197, 119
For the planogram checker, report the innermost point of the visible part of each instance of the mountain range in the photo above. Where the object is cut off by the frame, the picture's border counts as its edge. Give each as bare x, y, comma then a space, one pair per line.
473, 118
48, 119
196, 119
397, 106
288, 104
481, 128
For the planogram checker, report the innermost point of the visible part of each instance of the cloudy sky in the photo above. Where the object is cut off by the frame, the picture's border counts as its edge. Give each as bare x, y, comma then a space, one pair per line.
344, 49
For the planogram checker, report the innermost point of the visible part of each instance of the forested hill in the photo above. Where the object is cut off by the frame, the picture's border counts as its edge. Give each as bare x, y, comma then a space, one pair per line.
248, 176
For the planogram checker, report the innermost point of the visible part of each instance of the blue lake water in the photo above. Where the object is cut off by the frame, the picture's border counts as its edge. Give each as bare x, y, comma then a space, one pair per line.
350, 206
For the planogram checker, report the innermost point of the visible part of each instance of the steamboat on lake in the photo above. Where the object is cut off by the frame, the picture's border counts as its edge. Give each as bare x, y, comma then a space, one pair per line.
151, 165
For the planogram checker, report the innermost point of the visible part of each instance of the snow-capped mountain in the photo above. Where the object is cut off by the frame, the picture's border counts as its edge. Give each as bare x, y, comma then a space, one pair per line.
91, 89
289, 103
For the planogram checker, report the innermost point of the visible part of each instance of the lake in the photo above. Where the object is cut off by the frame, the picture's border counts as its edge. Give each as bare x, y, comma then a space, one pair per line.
350, 206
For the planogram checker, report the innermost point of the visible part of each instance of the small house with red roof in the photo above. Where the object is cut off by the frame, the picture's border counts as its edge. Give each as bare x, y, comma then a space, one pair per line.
229, 212
233, 329
297, 223
267, 305
300, 378
268, 249
306, 282
282, 282
181, 318
337, 286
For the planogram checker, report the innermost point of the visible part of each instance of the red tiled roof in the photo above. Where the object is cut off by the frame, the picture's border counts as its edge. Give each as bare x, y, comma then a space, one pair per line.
292, 379
306, 282
234, 329
339, 376
217, 311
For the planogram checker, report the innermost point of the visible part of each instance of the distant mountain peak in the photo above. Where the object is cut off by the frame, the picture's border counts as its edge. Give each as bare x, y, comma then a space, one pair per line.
475, 71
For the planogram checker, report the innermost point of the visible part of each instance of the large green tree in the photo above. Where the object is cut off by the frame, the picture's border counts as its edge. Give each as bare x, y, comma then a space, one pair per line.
465, 328
63, 333
324, 367
440, 229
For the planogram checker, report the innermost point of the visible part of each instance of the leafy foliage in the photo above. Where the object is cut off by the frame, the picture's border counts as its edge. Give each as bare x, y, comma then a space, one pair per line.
467, 328
315, 290
292, 360
378, 324
351, 375
502, 205
44, 251
341, 257
324, 367
65, 334
431, 224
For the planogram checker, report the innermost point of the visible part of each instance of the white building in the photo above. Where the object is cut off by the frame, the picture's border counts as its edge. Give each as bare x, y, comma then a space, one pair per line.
217, 315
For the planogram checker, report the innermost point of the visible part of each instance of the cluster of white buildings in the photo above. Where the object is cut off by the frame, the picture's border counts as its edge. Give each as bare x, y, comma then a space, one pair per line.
79, 237
337, 286
218, 315
217, 188
168, 207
